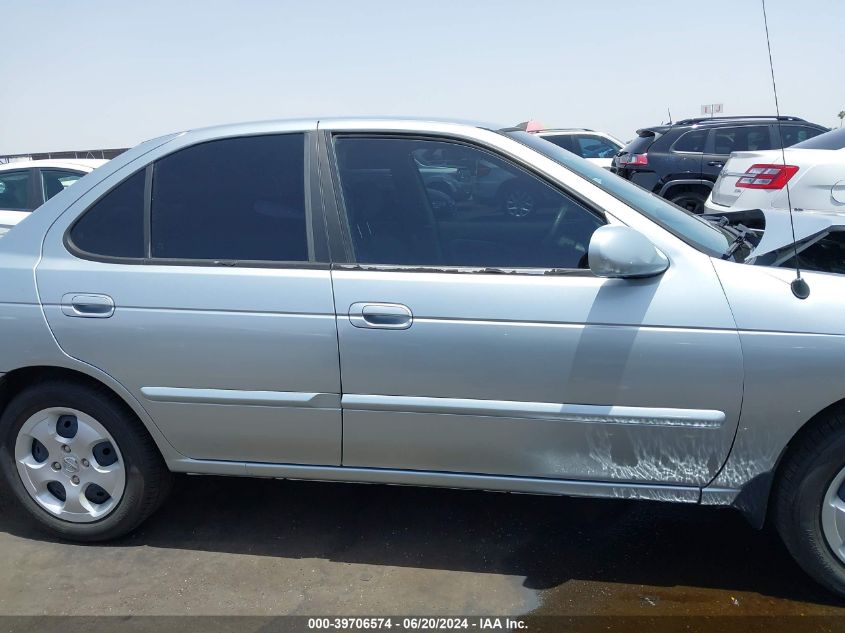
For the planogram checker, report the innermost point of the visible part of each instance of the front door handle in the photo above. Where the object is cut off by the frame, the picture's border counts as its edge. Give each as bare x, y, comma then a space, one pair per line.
88, 306
385, 316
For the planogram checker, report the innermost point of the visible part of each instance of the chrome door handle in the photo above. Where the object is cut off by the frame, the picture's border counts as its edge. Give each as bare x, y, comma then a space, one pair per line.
385, 316
90, 306
716, 163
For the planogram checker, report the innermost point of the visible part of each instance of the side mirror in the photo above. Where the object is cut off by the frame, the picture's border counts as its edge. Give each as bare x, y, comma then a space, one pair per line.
620, 251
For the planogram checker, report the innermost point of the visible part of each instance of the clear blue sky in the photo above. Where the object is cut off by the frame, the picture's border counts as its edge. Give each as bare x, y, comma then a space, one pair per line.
109, 73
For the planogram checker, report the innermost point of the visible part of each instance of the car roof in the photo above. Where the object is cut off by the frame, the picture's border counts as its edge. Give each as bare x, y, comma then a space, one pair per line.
84, 164
342, 123
723, 121
730, 120
564, 130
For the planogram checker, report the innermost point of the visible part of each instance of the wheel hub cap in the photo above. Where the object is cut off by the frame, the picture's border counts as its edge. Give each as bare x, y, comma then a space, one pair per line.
833, 515
57, 452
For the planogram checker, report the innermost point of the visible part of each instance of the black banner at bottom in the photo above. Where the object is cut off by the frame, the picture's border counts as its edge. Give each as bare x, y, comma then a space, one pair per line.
403, 624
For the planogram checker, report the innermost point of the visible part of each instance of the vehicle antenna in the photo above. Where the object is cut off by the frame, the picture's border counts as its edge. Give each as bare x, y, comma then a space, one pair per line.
670, 115
799, 286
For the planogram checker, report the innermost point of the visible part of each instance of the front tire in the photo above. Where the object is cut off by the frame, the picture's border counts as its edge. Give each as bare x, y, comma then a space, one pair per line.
80, 462
809, 502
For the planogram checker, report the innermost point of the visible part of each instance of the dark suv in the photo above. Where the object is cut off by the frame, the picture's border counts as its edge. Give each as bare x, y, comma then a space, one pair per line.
682, 160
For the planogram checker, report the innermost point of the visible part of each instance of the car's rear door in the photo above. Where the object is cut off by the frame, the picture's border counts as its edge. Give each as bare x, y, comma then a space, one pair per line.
725, 140
200, 283
480, 343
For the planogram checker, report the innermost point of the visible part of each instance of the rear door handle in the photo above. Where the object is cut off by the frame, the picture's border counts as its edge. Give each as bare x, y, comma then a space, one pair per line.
716, 163
385, 316
89, 306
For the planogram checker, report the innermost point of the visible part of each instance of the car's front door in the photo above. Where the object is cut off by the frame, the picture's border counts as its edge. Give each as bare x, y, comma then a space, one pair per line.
481, 343
196, 283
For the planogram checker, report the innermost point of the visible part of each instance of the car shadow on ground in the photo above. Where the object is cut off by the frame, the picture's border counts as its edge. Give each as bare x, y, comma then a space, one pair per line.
548, 540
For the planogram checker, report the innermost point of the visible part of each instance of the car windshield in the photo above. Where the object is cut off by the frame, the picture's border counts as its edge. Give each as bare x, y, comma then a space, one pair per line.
692, 229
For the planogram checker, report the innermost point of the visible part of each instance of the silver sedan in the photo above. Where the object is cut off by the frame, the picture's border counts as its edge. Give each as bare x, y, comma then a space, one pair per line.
298, 300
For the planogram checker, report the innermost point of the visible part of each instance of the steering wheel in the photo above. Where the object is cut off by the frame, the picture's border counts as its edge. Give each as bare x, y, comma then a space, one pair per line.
557, 226
551, 241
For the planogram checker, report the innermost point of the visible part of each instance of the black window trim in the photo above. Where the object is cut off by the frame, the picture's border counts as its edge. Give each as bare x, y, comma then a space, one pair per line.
313, 213
350, 262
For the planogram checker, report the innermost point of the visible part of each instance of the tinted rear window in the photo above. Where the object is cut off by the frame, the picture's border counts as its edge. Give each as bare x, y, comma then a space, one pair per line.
741, 139
792, 134
55, 181
114, 225
232, 199
692, 141
641, 144
828, 140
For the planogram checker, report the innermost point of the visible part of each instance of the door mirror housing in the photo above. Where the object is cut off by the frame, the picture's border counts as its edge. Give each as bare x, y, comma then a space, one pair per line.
621, 252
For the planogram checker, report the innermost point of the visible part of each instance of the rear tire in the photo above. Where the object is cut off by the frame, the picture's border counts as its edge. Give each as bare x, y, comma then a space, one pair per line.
689, 200
145, 479
808, 489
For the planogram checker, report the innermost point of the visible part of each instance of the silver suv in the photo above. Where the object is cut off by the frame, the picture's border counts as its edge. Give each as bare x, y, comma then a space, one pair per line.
282, 300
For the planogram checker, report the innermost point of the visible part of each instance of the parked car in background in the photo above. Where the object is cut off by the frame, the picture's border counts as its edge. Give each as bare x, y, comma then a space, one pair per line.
597, 147
681, 161
462, 181
814, 171
26, 185
340, 329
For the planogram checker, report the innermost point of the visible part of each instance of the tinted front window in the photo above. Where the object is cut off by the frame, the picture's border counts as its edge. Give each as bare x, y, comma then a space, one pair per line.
57, 180
114, 225
687, 226
741, 139
232, 199
692, 141
829, 140
13, 190
468, 207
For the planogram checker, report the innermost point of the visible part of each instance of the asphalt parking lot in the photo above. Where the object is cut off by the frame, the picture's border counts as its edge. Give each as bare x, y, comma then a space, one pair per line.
263, 547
